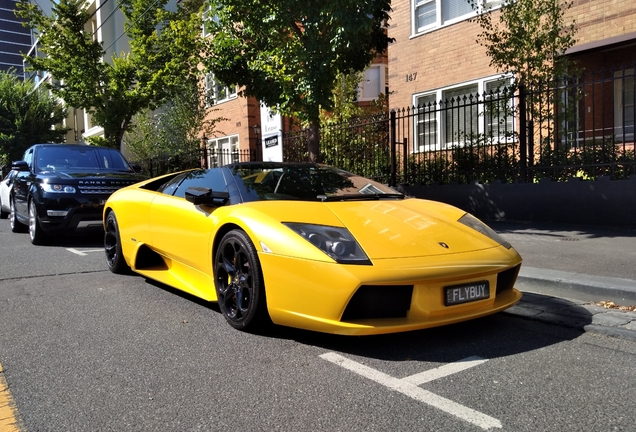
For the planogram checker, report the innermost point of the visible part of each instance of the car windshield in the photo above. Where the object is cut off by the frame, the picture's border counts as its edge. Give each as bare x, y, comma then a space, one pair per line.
308, 182
80, 158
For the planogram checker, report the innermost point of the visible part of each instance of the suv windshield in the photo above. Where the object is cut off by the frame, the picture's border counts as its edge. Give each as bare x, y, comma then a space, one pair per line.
80, 158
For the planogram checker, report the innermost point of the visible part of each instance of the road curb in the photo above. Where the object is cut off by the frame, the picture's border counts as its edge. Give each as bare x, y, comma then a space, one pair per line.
578, 314
578, 286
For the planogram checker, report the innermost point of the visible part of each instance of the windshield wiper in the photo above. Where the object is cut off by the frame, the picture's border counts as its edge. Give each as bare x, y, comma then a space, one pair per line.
360, 197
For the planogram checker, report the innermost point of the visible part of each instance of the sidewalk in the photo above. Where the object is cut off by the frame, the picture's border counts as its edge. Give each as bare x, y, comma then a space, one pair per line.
570, 272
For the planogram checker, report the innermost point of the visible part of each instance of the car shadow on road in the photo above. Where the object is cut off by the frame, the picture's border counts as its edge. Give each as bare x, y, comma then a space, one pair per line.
539, 322
536, 322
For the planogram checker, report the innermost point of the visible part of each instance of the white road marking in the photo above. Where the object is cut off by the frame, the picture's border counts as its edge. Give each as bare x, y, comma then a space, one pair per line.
83, 252
407, 387
442, 371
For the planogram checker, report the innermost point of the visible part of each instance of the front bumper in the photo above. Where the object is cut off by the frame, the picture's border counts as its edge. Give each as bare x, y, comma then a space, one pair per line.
316, 295
82, 213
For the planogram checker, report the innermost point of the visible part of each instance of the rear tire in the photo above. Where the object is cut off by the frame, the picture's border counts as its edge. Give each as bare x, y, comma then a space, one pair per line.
16, 225
3, 214
112, 246
239, 282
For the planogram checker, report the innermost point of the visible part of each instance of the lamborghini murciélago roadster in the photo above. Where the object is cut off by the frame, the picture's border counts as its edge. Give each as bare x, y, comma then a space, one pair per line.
310, 246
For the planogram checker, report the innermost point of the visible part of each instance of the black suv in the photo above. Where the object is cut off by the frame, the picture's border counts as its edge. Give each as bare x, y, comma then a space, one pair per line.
62, 188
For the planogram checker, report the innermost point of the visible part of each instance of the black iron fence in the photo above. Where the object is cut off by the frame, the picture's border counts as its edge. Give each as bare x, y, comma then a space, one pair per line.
203, 157
360, 145
580, 126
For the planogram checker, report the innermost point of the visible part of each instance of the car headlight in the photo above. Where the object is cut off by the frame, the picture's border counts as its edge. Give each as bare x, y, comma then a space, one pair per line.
474, 223
336, 242
57, 188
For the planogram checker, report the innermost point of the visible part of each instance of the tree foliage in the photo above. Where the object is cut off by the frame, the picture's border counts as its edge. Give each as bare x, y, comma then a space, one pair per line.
288, 54
27, 116
173, 128
530, 38
164, 48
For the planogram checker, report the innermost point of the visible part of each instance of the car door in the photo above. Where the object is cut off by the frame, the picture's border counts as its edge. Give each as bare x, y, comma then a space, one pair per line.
21, 185
181, 230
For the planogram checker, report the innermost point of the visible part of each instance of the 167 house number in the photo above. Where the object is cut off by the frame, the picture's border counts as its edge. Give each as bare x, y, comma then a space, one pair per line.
411, 76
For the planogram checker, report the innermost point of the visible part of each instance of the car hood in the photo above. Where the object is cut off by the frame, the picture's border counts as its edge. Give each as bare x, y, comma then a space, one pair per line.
385, 229
408, 228
71, 175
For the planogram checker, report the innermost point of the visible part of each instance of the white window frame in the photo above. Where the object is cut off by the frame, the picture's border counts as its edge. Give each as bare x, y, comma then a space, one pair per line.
223, 151
212, 91
205, 17
440, 121
439, 20
366, 80
624, 82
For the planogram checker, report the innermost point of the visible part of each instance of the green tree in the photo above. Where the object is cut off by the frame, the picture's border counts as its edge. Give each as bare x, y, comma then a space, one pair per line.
164, 49
529, 40
288, 53
27, 116
174, 127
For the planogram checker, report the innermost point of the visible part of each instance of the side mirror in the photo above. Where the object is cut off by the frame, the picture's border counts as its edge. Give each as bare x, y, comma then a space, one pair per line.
205, 196
136, 167
20, 166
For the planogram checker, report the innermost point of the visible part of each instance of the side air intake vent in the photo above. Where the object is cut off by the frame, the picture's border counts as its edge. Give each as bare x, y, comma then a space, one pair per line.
506, 279
379, 301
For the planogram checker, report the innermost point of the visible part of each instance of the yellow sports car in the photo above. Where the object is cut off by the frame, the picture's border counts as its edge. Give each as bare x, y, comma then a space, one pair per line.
310, 246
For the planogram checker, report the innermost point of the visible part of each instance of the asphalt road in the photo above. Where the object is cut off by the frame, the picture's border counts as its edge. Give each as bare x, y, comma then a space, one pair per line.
83, 349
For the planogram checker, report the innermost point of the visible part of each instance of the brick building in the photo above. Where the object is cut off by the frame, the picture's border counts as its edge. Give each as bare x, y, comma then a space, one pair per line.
436, 56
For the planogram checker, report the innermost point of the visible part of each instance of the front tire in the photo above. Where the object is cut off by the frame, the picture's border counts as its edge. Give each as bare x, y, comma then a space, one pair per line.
16, 225
36, 234
239, 282
112, 246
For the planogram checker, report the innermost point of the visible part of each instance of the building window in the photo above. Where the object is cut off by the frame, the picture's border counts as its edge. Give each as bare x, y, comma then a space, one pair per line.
207, 18
223, 151
624, 93
217, 92
498, 108
428, 15
454, 116
426, 121
372, 84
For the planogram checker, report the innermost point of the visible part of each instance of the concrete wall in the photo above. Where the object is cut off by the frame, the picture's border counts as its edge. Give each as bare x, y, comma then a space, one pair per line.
600, 202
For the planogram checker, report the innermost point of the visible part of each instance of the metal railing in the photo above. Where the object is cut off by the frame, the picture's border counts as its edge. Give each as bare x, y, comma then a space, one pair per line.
580, 126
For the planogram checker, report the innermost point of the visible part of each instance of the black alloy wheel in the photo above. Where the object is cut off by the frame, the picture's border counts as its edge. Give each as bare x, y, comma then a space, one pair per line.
112, 246
36, 234
16, 225
239, 282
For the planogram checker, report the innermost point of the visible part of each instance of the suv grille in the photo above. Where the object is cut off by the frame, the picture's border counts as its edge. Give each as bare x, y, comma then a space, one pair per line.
101, 187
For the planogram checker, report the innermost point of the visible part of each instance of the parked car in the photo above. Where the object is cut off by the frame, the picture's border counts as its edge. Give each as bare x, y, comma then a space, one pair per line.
5, 193
310, 246
62, 188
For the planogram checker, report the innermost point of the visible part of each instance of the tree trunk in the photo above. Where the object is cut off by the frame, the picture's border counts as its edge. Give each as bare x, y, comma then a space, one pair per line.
313, 141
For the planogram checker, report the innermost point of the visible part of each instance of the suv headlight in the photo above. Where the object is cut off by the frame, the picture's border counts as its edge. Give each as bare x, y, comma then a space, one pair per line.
57, 188
336, 242
474, 223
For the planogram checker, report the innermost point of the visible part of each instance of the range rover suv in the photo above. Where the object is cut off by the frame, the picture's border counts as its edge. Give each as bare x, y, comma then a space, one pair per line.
62, 188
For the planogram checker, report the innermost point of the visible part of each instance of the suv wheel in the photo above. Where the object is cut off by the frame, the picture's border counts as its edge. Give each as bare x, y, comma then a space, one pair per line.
36, 234
16, 225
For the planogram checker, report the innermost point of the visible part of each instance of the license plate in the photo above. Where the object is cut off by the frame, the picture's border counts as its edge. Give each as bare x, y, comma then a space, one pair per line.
459, 294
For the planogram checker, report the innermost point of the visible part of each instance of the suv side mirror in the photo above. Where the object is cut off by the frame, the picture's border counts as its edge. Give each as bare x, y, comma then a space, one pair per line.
20, 166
